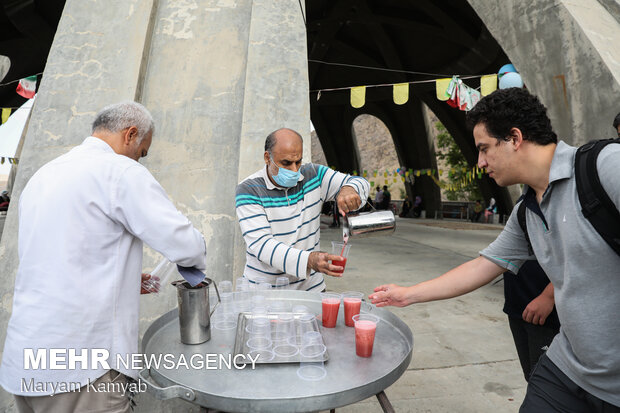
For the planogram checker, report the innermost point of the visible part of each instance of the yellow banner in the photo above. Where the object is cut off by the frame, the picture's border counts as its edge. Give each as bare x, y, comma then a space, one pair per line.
358, 96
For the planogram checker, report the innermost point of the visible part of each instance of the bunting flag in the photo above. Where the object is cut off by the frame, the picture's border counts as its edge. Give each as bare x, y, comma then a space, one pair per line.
400, 93
358, 96
6, 112
441, 85
27, 87
488, 84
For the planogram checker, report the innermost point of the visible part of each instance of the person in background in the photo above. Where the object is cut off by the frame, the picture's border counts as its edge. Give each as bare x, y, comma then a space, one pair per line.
378, 197
4, 201
82, 220
617, 124
406, 209
490, 210
387, 198
417, 207
477, 211
530, 307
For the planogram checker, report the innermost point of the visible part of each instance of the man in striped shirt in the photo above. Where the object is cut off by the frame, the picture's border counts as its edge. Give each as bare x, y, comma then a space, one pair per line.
279, 210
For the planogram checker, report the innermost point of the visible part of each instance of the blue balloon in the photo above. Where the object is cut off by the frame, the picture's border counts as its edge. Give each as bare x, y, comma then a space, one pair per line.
510, 80
507, 68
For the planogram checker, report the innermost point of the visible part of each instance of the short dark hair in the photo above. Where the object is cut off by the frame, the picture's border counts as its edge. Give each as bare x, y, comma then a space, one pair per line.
510, 108
384, 186
270, 141
617, 121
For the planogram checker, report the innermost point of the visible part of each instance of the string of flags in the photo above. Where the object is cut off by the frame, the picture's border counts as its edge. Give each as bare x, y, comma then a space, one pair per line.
12, 161
26, 87
449, 89
387, 177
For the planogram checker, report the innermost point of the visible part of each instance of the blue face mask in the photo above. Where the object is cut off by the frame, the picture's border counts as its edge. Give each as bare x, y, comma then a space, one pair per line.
285, 177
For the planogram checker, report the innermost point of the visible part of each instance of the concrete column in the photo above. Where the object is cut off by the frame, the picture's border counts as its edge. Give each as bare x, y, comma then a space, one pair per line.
276, 88
217, 75
566, 53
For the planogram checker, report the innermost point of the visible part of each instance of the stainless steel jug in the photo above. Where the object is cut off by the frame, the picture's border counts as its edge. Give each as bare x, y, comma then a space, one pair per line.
367, 224
194, 313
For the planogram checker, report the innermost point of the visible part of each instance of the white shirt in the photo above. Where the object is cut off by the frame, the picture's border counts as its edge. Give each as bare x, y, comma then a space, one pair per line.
82, 220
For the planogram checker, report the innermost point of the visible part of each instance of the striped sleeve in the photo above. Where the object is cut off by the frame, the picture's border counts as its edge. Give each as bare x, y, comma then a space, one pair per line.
333, 181
260, 242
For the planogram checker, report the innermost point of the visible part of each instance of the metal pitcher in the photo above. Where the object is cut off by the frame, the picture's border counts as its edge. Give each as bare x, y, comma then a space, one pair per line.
367, 224
194, 313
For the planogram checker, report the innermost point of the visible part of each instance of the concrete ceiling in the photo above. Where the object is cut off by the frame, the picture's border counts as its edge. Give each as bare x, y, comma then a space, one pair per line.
433, 38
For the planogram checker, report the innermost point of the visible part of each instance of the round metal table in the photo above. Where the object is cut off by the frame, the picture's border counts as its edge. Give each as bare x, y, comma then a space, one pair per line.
276, 387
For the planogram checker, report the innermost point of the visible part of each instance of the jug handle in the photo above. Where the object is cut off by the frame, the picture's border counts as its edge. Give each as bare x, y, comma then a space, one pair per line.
219, 300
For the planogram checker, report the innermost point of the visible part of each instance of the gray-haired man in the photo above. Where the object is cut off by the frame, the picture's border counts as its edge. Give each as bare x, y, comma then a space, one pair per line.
82, 220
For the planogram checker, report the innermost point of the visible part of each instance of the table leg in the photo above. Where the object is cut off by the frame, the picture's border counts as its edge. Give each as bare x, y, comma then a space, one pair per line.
385, 403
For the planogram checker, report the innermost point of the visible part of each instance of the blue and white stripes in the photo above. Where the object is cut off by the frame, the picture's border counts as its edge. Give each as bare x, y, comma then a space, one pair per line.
281, 227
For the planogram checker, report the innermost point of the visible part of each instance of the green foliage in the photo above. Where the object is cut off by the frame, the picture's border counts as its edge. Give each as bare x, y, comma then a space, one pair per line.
448, 151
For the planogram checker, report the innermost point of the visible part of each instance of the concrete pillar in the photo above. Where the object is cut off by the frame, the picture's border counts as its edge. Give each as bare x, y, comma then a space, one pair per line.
567, 55
218, 76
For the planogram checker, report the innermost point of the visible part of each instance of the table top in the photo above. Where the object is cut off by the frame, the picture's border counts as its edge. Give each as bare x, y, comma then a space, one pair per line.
276, 387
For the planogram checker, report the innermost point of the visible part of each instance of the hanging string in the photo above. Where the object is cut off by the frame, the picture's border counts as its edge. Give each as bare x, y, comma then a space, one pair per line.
392, 84
386, 69
15, 81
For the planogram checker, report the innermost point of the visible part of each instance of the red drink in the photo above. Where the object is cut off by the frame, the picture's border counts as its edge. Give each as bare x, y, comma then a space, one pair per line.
351, 308
330, 311
364, 337
341, 263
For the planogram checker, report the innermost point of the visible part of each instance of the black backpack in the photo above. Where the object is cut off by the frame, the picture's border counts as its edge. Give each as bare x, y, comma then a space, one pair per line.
596, 205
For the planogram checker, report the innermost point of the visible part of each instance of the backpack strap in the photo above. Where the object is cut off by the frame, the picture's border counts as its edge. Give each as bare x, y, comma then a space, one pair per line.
523, 224
596, 205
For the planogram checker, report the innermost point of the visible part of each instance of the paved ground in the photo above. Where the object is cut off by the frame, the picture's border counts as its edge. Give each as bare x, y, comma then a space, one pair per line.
464, 359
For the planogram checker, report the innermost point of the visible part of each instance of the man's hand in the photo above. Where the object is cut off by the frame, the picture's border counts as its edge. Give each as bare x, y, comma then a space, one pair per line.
149, 284
320, 261
390, 294
538, 310
348, 200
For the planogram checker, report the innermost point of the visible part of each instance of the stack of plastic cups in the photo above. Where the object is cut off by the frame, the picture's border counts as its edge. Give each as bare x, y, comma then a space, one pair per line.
259, 341
225, 316
283, 334
305, 323
282, 284
312, 356
242, 295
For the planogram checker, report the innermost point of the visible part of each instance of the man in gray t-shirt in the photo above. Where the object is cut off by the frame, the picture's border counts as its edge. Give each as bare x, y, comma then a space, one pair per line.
581, 370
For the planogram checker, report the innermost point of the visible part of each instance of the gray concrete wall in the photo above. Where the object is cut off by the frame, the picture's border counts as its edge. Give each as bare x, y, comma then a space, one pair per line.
567, 54
218, 76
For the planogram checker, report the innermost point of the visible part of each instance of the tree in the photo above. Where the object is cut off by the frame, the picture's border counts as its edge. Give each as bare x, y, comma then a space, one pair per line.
449, 152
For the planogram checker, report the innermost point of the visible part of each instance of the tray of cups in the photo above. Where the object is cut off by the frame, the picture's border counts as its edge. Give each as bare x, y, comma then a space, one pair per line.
277, 337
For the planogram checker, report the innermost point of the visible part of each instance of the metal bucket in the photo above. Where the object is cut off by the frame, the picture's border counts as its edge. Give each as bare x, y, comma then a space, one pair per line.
194, 313
367, 224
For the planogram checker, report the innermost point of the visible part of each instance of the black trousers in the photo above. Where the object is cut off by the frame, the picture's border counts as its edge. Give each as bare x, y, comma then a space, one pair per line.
550, 390
531, 342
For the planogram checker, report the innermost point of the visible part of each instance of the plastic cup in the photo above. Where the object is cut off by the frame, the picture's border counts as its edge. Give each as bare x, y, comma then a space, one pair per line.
283, 328
261, 356
341, 249
311, 366
282, 283
331, 304
311, 337
301, 309
285, 350
365, 328
225, 316
258, 301
259, 343
279, 307
352, 301
260, 327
